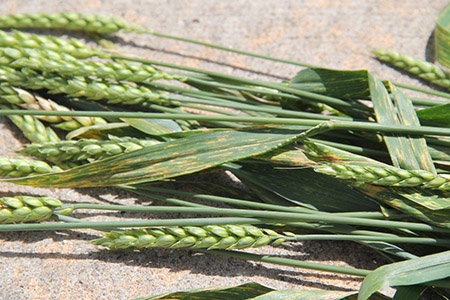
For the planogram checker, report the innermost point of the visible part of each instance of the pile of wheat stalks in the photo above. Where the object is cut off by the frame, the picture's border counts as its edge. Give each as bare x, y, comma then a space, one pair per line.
313, 156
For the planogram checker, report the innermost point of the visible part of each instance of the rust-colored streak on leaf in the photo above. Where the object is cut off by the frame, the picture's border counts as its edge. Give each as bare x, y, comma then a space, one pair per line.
398, 201
179, 157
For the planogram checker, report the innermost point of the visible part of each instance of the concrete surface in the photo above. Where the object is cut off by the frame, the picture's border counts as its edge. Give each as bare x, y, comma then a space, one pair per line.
336, 34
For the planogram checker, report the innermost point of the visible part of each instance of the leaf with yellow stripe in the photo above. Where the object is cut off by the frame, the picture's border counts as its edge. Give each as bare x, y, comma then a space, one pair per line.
442, 37
174, 158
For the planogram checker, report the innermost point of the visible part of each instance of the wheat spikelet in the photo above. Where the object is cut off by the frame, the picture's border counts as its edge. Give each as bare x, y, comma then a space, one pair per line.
206, 237
67, 20
67, 154
20, 167
422, 69
22, 209
384, 175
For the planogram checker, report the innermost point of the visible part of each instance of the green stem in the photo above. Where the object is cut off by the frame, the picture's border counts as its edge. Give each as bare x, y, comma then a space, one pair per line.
335, 124
288, 262
234, 201
75, 220
388, 239
291, 62
318, 97
445, 142
307, 265
422, 90
189, 92
130, 224
353, 149
176, 111
340, 228
169, 200
169, 110
276, 217
276, 59
427, 102
245, 107
246, 216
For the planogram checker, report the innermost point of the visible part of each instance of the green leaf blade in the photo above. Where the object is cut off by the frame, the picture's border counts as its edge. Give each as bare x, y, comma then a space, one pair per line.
171, 159
437, 114
442, 37
410, 272
241, 292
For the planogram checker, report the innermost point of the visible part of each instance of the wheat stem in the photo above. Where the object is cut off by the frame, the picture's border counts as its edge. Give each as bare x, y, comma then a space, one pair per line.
387, 239
289, 262
240, 202
104, 24
332, 125
261, 216
131, 224
242, 81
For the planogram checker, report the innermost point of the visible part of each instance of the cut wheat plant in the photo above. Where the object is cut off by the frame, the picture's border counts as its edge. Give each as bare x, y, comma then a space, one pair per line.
328, 155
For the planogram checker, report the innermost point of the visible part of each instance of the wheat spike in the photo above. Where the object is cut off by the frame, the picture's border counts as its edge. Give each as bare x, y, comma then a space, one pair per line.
422, 69
20, 167
69, 66
74, 47
31, 127
22, 209
32, 101
82, 87
67, 154
384, 175
67, 20
206, 237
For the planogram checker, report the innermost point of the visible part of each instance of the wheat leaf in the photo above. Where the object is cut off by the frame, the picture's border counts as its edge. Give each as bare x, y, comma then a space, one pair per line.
437, 114
410, 272
335, 83
408, 116
400, 150
153, 127
241, 292
306, 188
442, 37
171, 159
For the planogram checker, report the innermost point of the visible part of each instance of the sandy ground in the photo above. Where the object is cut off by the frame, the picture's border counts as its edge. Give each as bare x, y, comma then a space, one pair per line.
335, 34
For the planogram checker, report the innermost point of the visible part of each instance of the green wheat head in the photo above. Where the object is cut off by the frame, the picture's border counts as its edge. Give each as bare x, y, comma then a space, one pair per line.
206, 237
21, 209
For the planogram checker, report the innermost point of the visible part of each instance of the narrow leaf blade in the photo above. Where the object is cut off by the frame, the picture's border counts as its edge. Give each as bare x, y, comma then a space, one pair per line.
438, 114
241, 292
153, 127
442, 37
400, 150
410, 272
304, 295
171, 159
